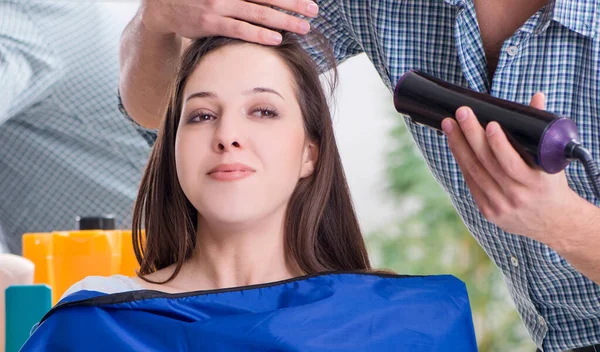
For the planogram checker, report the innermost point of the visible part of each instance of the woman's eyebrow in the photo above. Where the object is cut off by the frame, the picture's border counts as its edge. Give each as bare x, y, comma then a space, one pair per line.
201, 95
256, 90
263, 90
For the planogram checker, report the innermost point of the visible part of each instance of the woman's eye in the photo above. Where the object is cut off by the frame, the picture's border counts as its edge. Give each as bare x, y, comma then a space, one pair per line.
265, 113
201, 117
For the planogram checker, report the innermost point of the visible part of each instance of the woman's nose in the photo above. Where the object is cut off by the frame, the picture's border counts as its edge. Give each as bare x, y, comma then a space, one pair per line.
227, 134
222, 146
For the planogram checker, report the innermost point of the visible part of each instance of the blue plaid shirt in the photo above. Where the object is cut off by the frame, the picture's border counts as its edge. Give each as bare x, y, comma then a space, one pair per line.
556, 51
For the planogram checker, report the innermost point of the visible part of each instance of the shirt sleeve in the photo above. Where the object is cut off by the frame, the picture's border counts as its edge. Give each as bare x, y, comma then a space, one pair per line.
351, 29
335, 26
28, 65
149, 134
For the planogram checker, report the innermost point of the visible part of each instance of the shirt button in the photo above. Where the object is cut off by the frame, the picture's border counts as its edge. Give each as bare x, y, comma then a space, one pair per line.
541, 320
512, 50
514, 261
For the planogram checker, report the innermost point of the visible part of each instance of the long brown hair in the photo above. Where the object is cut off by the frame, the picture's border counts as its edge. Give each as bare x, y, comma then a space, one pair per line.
321, 229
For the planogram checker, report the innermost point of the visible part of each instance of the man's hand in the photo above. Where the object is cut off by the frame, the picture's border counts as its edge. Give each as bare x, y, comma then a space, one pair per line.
249, 21
508, 192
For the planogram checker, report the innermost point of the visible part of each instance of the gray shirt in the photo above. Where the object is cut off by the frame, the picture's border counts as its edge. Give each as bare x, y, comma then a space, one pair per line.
65, 149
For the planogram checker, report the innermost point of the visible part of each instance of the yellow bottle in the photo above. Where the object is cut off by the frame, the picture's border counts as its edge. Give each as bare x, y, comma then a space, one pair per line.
129, 264
62, 258
78, 254
37, 247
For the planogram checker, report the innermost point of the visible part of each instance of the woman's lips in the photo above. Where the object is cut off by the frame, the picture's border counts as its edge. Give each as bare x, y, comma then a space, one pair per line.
231, 172
230, 175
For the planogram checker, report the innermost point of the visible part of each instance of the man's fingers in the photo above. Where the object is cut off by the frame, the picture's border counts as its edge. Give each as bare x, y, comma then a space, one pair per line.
508, 158
229, 27
265, 16
470, 164
302, 7
475, 135
538, 101
480, 198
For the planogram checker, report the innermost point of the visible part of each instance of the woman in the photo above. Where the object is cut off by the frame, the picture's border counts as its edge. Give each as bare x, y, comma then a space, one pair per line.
252, 242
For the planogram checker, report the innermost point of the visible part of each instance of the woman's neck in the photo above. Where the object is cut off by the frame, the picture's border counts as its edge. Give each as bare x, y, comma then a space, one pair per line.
232, 256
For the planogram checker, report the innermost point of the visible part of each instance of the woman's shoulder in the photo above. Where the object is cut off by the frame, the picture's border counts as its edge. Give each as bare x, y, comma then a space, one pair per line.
105, 284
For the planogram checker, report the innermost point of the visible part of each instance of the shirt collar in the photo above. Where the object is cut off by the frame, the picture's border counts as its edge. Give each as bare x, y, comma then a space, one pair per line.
580, 16
453, 2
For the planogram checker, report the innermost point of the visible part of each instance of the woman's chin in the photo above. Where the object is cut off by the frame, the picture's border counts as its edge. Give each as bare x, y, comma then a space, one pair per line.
225, 212
232, 217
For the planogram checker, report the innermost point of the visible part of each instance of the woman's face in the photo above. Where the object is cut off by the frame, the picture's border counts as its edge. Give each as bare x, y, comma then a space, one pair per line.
241, 146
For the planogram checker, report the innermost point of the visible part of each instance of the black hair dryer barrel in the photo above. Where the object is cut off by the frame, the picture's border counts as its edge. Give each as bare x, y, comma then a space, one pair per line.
539, 136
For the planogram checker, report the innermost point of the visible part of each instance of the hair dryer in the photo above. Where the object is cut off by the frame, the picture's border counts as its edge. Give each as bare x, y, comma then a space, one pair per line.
544, 140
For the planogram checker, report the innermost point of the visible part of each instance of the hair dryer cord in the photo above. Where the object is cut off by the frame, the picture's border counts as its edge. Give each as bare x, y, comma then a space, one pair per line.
576, 151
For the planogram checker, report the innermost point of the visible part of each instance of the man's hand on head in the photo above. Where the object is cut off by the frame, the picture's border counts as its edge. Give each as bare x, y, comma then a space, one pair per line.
256, 21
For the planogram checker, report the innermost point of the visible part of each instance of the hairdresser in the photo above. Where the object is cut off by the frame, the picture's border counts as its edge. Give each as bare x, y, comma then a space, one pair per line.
541, 230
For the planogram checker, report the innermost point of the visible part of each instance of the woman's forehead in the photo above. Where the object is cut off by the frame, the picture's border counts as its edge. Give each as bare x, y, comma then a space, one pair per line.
239, 68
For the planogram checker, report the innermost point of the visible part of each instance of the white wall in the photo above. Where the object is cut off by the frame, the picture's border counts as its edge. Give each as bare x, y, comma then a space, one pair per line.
363, 120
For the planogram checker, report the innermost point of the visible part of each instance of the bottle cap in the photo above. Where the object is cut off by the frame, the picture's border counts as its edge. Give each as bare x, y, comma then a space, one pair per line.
103, 222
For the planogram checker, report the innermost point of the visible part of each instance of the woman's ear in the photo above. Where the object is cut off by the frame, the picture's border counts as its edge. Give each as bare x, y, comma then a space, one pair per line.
309, 159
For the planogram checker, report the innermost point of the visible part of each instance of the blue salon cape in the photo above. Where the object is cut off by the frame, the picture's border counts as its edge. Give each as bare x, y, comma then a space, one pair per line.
324, 312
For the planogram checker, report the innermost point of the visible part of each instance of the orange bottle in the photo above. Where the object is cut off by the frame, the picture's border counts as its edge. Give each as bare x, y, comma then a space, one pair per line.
78, 254
129, 264
37, 247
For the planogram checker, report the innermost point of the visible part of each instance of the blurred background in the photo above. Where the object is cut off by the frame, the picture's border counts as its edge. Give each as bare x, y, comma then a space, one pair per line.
409, 222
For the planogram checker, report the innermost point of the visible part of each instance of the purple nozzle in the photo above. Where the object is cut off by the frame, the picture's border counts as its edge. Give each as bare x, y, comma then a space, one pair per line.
552, 147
